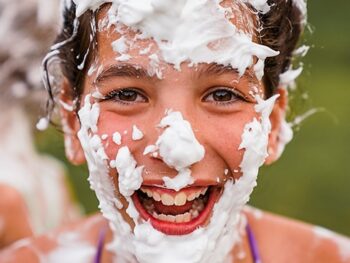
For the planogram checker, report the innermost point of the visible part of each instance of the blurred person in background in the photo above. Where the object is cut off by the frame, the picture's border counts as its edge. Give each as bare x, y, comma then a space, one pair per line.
33, 187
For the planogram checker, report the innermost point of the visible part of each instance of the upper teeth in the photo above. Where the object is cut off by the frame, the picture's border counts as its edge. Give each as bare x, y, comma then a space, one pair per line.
179, 199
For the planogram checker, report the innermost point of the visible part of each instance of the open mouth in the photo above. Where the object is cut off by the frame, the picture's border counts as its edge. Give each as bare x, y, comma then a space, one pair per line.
176, 213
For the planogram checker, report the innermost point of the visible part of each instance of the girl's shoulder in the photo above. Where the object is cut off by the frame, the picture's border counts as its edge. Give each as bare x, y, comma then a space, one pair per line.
76, 242
281, 239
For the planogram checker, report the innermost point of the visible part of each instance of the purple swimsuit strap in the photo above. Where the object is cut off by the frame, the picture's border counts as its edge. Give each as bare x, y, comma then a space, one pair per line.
252, 244
100, 244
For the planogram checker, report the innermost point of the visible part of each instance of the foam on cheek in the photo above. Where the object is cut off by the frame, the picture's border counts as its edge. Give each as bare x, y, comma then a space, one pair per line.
255, 141
129, 176
117, 138
136, 133
97, 162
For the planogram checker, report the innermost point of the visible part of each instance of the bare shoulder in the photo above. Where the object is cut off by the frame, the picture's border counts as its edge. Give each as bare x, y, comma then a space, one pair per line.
76, 242
286, 240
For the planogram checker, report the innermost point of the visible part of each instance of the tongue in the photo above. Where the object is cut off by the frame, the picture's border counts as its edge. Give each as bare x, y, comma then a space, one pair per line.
173, 209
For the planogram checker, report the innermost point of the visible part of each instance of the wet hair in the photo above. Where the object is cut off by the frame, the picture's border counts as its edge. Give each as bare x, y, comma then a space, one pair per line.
281, 29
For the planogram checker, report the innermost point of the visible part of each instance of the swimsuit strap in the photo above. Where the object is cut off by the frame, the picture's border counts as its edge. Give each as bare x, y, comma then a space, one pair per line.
100, 244
253, 244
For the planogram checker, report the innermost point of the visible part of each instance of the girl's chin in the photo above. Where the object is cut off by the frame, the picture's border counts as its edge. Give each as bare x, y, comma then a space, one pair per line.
176, 213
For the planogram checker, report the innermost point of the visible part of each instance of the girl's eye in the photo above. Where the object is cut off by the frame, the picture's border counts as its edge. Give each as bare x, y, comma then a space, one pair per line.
127, 95
223, 95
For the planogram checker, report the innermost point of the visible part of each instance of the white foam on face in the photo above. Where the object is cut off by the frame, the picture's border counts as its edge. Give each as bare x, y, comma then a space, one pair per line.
182, 36
120, 45
149, 149
178, 148
181, 180
255, 138
129, 175
178, 145
123, 57
342, 242
136, 133
97, 162
117, 138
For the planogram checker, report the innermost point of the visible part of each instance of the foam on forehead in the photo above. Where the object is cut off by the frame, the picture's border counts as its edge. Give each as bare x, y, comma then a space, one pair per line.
193, 31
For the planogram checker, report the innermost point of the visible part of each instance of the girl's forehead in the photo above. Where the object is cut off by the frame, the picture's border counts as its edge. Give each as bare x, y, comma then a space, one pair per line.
243, 18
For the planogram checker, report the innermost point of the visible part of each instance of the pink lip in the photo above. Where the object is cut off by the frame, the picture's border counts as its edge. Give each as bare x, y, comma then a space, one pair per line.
172, 228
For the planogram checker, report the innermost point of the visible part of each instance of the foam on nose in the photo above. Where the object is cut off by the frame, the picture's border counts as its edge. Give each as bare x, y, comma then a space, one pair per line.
178, 148
178, 145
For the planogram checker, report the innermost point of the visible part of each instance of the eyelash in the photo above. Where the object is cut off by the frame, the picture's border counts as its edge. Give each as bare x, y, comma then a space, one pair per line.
115, 95
236, 96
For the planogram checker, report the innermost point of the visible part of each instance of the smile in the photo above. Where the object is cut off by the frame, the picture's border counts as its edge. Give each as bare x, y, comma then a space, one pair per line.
176, 213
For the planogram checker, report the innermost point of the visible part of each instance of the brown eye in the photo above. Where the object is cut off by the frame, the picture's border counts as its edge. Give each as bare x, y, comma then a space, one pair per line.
222, 95
126, 96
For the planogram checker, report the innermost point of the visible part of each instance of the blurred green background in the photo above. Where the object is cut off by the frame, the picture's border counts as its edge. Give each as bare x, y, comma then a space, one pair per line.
311, 181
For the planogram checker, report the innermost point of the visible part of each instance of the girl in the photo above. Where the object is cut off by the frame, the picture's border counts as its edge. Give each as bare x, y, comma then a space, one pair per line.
175, 105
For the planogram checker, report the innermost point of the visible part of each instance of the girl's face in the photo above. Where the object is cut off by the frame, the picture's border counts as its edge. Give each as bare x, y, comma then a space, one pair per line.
133, 99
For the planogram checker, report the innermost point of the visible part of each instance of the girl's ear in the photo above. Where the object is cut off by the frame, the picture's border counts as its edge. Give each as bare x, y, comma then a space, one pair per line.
70, 124
276, 118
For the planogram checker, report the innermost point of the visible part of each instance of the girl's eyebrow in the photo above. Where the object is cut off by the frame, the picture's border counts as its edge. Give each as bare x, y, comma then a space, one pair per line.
219, 69
215, 69
122, 70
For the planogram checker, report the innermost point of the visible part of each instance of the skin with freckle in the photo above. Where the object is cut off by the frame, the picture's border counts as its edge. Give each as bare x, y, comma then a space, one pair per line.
222, 109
